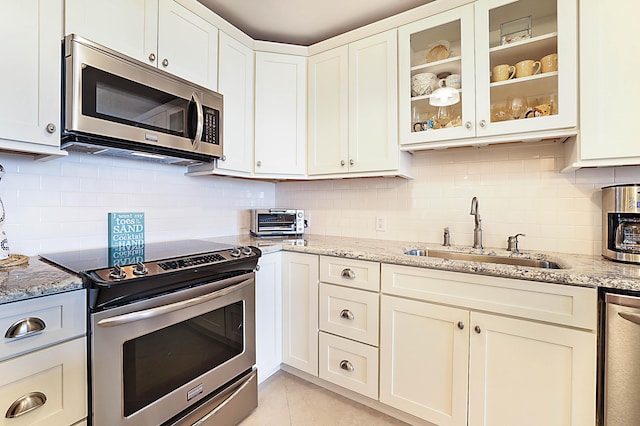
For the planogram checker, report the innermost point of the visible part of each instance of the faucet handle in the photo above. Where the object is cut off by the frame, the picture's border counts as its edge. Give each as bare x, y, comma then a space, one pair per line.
512, 242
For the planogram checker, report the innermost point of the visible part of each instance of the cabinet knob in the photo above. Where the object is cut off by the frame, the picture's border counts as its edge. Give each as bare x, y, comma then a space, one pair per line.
165, 62
258, 163
152, 57
460, 325
348, 274
223, 158
477, 329
347, 314
342, 163
346, 365
51, 128
468, 125
26, 403
483, 123
351, 162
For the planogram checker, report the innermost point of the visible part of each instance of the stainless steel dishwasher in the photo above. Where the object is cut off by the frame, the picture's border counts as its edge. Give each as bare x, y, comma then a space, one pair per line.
621, 361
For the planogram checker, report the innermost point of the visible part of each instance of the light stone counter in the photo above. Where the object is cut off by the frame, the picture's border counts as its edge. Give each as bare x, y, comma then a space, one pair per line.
587, 271
37, 278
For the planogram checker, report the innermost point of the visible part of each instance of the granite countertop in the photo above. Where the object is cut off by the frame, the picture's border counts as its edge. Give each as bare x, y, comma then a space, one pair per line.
580, 270
40, 278
37, 278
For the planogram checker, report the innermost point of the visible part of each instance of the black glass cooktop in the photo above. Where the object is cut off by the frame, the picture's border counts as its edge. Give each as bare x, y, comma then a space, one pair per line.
99, 258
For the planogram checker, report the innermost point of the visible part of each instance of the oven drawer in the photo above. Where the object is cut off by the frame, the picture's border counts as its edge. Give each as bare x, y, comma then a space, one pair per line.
349, 313
52, 319
354, 273
57, 373
349, 364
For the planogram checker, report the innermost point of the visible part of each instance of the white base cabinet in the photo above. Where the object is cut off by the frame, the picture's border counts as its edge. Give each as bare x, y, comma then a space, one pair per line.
300, 311
439, 353
269, 315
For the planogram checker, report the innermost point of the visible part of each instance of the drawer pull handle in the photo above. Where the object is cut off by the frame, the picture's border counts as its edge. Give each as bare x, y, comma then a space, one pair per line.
26, 403
346, 365
348, 273
25, 327
347, 314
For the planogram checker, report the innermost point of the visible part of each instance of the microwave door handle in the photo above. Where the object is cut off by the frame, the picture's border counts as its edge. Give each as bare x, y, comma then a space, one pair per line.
173, 307
196, 140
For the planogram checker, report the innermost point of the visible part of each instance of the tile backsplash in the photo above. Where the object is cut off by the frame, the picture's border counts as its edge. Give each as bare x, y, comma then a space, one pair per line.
63, 204
519, 187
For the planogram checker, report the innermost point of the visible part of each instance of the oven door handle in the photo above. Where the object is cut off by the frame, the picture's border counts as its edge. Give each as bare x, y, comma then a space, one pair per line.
165, 309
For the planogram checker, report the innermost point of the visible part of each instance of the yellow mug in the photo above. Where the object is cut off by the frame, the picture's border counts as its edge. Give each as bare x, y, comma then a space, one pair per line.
527, 68
503, 72
550, 63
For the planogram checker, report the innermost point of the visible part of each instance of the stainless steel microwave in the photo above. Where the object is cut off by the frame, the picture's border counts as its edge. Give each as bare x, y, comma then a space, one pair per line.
275, 222
116, 105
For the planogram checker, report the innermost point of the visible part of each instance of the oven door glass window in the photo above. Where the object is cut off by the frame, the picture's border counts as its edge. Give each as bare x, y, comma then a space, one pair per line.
277, 222
181, 352
109, 97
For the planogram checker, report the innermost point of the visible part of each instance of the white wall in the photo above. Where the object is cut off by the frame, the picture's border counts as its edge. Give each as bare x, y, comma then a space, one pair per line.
63, 204
519, 187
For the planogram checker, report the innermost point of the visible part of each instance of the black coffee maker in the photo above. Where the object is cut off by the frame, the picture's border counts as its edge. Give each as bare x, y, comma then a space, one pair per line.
621, 223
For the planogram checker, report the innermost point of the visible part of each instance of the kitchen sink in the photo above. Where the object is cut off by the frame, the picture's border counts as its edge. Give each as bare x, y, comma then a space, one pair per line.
485, 258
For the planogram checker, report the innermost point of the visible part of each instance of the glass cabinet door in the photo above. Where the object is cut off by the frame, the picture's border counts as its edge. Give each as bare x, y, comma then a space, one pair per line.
525, 66
434, 53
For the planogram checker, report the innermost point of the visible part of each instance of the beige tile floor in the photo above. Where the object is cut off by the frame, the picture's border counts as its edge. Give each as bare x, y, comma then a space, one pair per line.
286, 400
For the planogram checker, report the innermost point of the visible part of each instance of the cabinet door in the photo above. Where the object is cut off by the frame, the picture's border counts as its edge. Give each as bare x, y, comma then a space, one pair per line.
300, 311
187, 44
280, 114
424, 351
607, 92
59, 373
129, 27
502, 106
421, 62
328, 114
269, 315
528, 373
235, 83
30, 83
373, 103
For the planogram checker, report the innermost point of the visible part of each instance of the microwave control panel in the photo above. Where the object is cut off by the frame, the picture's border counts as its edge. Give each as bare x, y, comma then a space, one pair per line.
210, 131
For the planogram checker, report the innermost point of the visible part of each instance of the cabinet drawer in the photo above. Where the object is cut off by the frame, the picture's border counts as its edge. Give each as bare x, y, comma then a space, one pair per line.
62, 316
360, 274
349, 364
554, 303
57, 372
349, 313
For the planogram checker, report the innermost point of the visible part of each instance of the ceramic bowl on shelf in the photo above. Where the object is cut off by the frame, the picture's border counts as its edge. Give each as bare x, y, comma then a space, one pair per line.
438, 51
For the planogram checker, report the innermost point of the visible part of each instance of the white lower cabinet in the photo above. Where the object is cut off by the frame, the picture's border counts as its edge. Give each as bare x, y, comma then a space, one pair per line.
300, 311
352, 365
54, 379
268, 315
44, 372
438, 354
424, 359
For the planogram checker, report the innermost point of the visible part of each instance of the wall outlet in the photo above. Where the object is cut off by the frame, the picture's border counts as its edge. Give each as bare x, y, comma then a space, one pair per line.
381, 223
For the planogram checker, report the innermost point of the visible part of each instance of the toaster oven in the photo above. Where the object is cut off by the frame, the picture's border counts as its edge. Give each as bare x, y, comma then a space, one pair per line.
275, 222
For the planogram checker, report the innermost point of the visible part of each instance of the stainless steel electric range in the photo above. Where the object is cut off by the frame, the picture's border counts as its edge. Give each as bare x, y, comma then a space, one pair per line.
171, 336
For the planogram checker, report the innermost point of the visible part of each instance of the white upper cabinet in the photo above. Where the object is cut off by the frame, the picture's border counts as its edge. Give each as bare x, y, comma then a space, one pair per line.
280, 114
162, 33
608, 90
235, 83
534, 42
30, 83
352, 108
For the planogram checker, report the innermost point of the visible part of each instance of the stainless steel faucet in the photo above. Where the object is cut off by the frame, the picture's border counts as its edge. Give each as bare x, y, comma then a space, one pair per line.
477, 231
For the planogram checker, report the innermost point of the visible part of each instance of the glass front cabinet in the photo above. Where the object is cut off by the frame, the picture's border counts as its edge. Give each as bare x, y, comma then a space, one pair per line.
510, 69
